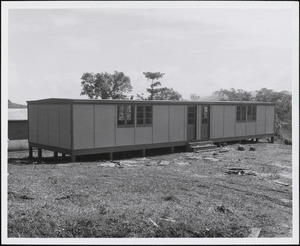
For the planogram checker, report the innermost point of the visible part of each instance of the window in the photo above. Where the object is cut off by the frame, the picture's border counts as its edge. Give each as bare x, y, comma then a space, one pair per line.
144, 115
125, 115
251, 113
205, 115
191, 115
241, 113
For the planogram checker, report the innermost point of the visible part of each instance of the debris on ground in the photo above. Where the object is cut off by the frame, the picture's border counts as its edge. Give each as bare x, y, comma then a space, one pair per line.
194, 157
223, 144
281, 183
163, 163
215, 153
252, 148
222, 209
238, 168
107, 164
210, 159
223, 150
251, 173
128, 163
181, 163
153, 222
254, 232
239, 172
288, 141
241, 148
15, 195
117, 164
168, 219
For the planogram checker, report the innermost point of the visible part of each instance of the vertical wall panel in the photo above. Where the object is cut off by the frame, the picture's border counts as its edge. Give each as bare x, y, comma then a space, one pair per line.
53, 113
270, 119
143, 135
177, 123
65, 126
216, 121
198, 128
250, 128
160, 123
104, 125
229, 120
33, 123
260, 119
83, 124
43, 124
125, 136
240, 129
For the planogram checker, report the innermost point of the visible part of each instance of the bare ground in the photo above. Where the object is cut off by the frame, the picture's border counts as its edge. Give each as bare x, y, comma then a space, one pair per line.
174, 195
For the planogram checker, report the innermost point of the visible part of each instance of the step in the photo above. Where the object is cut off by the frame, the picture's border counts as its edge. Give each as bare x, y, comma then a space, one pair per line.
203, 147
191, 144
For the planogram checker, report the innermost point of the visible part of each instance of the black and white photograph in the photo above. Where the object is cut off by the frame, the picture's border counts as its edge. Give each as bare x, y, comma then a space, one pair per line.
150, 122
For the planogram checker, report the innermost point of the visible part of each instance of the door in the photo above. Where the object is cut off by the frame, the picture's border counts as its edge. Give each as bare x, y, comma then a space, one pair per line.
205, 122
191, 123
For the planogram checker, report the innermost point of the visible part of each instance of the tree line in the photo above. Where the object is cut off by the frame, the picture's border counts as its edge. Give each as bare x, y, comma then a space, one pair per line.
282, 100
118, 86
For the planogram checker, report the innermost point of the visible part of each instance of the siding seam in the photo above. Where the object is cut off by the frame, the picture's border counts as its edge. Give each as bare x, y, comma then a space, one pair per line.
48, 124
223, 121
59, 125
94, 125
169, 123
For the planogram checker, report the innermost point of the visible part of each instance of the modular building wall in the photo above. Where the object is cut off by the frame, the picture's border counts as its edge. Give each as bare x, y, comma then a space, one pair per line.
95, 126
223, 122
79, 127
50, 125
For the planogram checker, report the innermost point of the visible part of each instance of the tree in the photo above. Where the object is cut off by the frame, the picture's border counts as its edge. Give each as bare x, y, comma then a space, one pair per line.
282, 100
233, 95
105, 85
167, 94
153, 76
157, 93
283, 109
195, 97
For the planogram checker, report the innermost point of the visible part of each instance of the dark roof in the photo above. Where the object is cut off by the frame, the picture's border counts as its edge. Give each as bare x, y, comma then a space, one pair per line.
153, 102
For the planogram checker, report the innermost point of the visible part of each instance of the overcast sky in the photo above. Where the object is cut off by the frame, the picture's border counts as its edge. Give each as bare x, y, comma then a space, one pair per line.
200, 50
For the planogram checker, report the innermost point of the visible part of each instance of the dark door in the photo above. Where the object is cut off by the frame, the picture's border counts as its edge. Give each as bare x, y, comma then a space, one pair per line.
205, 122
191, 123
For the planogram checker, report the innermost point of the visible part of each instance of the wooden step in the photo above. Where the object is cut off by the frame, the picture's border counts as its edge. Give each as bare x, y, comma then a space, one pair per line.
191, 144
203, 147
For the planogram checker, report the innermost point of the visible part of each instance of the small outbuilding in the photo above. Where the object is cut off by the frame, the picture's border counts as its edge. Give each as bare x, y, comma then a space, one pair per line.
17, 123
81, 127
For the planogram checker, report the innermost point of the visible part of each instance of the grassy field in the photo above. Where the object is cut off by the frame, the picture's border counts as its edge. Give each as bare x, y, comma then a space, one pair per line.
175, 195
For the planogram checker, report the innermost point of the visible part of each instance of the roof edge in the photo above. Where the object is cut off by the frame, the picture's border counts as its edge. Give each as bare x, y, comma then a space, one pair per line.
165, 102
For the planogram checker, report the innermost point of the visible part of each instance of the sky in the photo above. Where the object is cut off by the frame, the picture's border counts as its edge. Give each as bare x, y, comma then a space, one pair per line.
200, 50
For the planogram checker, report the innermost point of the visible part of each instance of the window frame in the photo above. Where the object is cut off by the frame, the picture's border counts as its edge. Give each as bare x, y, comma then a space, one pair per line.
241, 109
253, 113
126, 120
145, 117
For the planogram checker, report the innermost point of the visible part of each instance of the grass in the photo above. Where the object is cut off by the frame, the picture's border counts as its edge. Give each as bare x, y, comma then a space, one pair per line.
197, 199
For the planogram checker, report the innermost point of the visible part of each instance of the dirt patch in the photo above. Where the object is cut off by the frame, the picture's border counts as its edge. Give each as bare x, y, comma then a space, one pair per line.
185, 194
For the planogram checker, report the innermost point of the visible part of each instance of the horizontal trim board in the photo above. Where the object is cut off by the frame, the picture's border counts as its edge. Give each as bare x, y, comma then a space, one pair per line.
51, 148
127, 148
17, 120
143, 102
